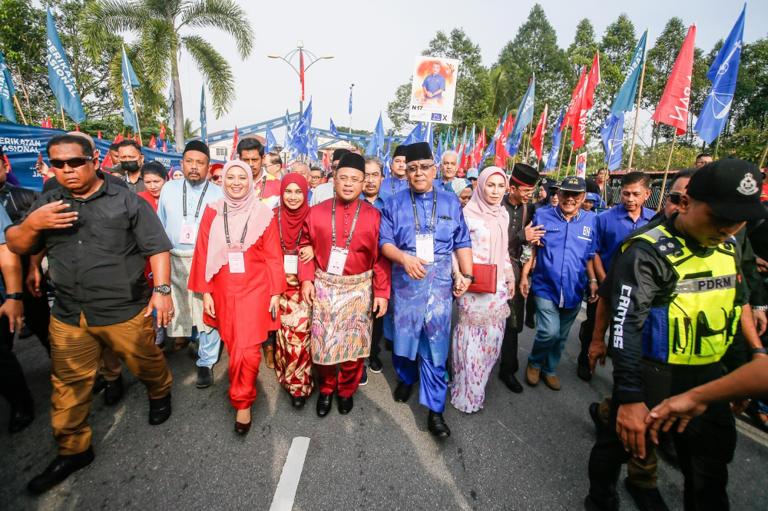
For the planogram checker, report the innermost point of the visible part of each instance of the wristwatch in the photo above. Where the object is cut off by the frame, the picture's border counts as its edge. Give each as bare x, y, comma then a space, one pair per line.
755, 351
470, 277
163, 289
14, 296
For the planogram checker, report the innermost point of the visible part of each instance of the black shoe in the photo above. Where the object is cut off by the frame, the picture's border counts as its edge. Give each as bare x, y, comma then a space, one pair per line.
437, 426
159, 410
59, 469
402, 392
99, 384
388, 344
113, 392
511, 382
374, 364
345, 404
242, 428
204, 377
298, 402
591, 504
324, 402
594, 414
646, 499
20, 419
364, 378
530, 322
583, 372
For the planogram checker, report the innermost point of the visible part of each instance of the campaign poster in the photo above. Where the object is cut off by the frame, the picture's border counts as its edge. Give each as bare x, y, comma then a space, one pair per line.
433, 91
581, 165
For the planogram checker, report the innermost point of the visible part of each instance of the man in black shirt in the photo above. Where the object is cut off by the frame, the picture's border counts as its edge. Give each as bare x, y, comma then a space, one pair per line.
97, 237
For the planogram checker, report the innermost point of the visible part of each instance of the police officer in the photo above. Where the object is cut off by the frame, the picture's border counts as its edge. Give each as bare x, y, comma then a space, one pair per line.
677, 299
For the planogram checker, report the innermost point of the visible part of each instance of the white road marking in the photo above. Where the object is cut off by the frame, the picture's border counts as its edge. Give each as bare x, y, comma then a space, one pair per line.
289, 478
752, 432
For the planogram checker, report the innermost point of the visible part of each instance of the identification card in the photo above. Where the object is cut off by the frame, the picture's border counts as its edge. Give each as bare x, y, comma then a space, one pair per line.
236, 261
425, 247
187, 235
291, 264
337, 261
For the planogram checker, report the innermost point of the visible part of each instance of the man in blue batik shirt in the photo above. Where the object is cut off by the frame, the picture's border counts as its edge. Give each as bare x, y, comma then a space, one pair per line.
559, 280
421, 229
434, 84
397, 181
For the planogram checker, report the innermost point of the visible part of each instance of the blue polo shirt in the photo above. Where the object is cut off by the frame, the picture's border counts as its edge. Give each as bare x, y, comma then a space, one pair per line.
560, 273
612, 227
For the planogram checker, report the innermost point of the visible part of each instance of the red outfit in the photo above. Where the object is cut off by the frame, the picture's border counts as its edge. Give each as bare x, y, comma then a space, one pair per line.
364, 255
364, 251
266, 188
153, 201
242, 304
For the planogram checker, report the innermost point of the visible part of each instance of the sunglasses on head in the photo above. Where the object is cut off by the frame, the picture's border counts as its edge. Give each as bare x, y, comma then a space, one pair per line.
72, 162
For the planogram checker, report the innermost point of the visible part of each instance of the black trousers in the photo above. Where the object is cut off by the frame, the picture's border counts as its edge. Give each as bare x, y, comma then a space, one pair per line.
13, 385
512, 328
376, 335
585, 333
704, 450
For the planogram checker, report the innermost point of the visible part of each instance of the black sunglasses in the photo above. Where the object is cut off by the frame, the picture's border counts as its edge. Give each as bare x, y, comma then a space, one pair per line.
674, 198
72, 162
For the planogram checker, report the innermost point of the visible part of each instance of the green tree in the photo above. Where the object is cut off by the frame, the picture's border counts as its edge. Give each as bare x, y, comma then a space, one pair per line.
582, 49
750, 102
168, 27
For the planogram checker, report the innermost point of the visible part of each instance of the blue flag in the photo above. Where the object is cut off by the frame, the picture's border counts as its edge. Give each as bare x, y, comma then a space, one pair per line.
6, 92
557, 135
429, 136
171, 114
350, 100
625, 98
271, 140
416, 135
613, 140
722, 73
301, 142
334, 131
376, 143
60, 77
523, 118
129, 81
203, 117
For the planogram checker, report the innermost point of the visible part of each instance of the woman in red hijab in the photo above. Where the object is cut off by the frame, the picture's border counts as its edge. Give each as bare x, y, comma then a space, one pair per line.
237, 265
293, 360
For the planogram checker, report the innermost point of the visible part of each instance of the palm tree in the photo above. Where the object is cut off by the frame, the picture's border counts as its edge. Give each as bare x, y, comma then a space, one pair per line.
189, 131
161, 26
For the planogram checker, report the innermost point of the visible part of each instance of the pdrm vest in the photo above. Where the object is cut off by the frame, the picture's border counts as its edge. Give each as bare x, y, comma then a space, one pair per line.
699, 323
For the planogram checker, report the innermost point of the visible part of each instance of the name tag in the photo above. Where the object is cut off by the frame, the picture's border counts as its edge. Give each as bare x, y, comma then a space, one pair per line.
188, 234
425, 247
291, 264
236, 261
337, 261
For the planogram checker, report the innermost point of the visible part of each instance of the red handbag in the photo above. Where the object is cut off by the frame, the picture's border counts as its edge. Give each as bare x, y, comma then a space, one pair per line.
485, 279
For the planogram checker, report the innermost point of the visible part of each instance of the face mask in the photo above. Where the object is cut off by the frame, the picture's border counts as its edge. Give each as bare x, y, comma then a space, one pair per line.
129, 166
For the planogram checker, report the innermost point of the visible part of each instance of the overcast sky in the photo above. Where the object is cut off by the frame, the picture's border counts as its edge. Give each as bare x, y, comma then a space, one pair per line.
374, 45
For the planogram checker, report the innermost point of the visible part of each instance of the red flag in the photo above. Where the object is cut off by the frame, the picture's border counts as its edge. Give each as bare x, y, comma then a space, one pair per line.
301, 72
118, 138
537, 141
674, 103
162, 131
98, 135
233, 154
593, 80
574, 107
326, 161
152, 143
137, 138
477, 152
107, 163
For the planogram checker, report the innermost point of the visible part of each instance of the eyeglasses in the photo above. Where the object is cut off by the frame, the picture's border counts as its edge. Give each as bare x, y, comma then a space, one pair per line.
216, 177
424, 167
371, 177
72, 162
674, 197
349, 179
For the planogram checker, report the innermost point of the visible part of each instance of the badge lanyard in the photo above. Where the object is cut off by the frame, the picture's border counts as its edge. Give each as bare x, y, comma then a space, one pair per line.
290, 261
280, 230
338, 257
431, 226
351, 230
226, 228
425, 243
199, 202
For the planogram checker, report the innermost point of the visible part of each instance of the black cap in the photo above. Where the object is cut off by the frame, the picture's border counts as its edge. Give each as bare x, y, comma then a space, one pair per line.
352, 161
731, 187
573, 184
418, 151
592, 186
338, 153
400, 150
524, 175
196, 145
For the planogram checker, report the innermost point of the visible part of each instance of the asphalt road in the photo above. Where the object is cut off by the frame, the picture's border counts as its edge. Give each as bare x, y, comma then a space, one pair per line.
525, 451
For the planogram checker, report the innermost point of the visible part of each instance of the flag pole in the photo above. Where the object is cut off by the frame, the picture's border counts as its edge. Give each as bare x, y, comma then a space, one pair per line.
18, 106
63, 119
637, 116
666, 172
762, 158
562, 150
568, 167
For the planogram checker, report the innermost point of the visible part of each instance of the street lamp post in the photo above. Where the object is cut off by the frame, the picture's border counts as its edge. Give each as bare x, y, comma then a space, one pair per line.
302, 54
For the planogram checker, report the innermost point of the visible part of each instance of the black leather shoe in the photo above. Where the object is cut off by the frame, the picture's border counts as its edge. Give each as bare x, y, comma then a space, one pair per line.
99, 384
298, 401
511, 382
583, 372
437, 426
204, 377
402, 392
374, 364
646, 499
113, 391
59, 469
345, 405
324, 402
591, 504
20, 419
159, 410
242, 428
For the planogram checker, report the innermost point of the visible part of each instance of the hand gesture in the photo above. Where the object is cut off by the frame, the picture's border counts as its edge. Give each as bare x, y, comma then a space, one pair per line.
414, 266
534, 233
52, 216
306, 254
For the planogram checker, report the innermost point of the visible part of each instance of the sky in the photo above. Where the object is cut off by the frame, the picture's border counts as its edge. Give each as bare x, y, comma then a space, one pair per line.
374, 45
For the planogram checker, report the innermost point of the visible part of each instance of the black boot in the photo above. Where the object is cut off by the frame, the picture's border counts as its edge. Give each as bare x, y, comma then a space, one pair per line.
437, 426
402, 392
113, 391
59, 469
159, 410
21, 417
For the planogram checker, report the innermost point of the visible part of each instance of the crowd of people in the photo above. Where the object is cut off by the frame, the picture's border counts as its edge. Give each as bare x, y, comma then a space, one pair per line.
319, 274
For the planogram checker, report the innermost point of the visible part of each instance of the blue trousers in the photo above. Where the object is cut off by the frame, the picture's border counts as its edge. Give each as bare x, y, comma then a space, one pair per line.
433, 388
552, 327
209, 345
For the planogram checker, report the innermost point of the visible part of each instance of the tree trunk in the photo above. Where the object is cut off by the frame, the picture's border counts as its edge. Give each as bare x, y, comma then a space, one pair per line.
178, 108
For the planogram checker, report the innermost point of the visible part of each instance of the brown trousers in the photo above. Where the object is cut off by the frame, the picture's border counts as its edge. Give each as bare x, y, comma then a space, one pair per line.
75, 356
